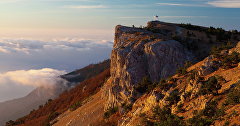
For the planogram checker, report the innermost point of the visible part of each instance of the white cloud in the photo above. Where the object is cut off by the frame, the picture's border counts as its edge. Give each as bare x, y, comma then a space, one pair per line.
3, 50
86, 6
225, 3
183, 16
180, 4
28, 46
207, 3
63, 54
134, 17
37, 78
15, 84
22, 61
171, 4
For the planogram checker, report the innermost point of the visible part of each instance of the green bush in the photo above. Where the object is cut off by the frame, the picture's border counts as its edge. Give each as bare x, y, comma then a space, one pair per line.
211, 86
180, 108
230, 61
183, 70
163, 85
110, 112
53, 115
227, 123
216, 50
210, 109
191, 27
10, 123
164, 117
199, 121
75, 106
207, 116
127, 107
233, 96
174, 97
145, 85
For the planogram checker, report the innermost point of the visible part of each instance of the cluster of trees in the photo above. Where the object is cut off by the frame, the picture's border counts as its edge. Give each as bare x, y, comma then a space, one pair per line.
211, 86
207, 116
220, 33
174, 97
227, 61
110, 112
146, 85
51, 117
88, 71
233, 96
187, 42
230, 61
75, 106
216, 50
183, 70
163, 117
189, 26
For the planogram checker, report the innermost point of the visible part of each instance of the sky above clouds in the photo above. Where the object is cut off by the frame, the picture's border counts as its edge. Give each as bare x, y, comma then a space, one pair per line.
27, 64
43, 19
64, 35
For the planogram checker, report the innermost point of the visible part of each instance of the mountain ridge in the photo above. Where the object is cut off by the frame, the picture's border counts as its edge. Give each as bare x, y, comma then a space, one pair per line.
153, 83
19, 107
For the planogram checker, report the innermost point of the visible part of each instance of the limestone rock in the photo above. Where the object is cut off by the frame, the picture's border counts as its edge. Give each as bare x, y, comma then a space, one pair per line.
208, 66
138, 53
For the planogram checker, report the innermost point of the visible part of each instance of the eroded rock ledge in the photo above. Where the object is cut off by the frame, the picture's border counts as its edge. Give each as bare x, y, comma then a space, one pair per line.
139, 53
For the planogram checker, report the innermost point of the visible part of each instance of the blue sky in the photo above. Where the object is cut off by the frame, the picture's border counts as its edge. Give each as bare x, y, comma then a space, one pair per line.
58, 36
32, 18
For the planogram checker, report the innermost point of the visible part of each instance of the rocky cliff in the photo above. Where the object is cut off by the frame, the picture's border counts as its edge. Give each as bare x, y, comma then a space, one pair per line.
139, 53
144, 87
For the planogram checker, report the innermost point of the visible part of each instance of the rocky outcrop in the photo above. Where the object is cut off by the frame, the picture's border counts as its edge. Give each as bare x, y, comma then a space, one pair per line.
209, 66
139, 53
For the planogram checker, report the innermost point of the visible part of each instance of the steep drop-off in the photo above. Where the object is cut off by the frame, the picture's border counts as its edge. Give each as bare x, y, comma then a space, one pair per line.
139, 53
152, 82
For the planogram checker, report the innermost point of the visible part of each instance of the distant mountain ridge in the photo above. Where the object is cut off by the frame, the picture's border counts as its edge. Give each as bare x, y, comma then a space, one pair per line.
87, 72
16, 108
13, 109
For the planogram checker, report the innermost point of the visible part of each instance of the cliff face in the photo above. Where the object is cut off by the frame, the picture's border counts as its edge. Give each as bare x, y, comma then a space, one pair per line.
207, 93
139, 53
191, 102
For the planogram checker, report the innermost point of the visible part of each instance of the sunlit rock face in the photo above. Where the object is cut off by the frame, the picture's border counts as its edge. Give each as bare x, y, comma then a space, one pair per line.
139, 53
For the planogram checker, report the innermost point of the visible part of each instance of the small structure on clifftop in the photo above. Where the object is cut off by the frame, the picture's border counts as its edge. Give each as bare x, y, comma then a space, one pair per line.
156, 18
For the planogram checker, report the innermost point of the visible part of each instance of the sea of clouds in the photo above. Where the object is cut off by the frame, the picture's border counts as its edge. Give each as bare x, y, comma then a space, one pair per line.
27, 64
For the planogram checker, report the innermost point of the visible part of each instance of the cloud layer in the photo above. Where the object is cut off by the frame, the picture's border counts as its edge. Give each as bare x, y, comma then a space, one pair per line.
180, 4
225, 3
206, 3
45, 77
23, 60
28, 46
62, 54
87, 7
15, 84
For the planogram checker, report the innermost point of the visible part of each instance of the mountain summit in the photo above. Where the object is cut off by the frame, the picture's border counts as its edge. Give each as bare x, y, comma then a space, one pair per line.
162, 74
